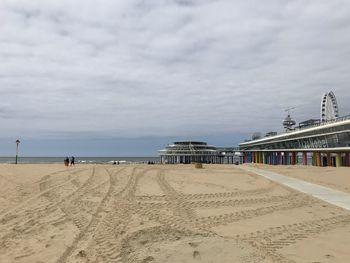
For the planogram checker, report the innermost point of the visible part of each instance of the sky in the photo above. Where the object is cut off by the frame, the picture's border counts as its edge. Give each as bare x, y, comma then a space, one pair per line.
127, 77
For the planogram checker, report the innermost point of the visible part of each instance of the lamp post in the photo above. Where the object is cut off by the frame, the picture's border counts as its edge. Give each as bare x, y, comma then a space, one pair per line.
17, 143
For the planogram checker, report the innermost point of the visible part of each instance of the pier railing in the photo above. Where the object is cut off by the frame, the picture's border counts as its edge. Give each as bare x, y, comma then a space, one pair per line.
339, 119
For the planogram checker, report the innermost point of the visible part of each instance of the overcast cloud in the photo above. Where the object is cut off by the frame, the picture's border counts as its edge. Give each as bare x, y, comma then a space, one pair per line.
133, 68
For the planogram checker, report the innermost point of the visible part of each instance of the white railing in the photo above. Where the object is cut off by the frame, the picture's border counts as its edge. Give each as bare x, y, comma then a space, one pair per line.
339, 119
344, 118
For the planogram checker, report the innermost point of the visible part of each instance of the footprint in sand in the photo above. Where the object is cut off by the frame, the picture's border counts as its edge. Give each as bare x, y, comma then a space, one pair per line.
196, 254
148, 259
82, 254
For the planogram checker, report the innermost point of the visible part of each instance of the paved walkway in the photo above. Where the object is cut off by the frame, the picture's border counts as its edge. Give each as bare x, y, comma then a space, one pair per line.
331, 196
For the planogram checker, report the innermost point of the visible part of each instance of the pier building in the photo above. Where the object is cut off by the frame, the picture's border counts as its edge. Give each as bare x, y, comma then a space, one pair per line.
196, 152
324, 142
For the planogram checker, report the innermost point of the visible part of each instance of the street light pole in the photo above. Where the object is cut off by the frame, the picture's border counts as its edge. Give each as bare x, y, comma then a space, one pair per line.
17, 143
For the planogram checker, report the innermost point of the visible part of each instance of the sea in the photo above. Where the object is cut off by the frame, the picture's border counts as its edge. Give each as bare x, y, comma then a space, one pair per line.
81, 160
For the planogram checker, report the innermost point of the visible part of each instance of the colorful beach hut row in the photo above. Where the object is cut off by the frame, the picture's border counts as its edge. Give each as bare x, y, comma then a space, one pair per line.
316, 157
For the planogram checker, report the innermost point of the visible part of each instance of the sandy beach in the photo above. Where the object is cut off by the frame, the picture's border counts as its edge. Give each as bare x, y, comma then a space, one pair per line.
168, 213
332, 177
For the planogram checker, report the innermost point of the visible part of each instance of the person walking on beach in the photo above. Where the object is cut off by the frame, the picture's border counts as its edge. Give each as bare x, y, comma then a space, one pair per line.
72, 161
66, 161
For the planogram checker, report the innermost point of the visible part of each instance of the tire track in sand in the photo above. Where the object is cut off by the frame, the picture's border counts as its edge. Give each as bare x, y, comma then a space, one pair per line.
33, 218
109, 220
106, 245
31, 199
270, 240
238, 193
213, 221
222, 203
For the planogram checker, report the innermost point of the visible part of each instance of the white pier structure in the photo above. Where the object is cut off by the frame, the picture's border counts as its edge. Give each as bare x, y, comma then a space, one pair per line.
196, 152
326, 142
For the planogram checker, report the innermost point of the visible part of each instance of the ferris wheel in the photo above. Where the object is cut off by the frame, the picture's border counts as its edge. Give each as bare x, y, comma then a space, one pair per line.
329, 107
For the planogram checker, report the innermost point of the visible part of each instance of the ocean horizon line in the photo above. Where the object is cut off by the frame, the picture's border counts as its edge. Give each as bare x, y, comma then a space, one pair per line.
77, 156
79, 159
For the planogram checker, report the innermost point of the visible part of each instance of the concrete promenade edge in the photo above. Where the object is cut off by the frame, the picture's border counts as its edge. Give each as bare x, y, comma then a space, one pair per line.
328, 195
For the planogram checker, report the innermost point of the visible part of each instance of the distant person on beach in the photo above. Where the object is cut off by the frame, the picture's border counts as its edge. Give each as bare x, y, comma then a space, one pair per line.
66, 161
72, 161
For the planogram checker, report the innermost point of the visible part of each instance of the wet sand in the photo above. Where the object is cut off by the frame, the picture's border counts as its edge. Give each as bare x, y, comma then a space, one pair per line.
173, 213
